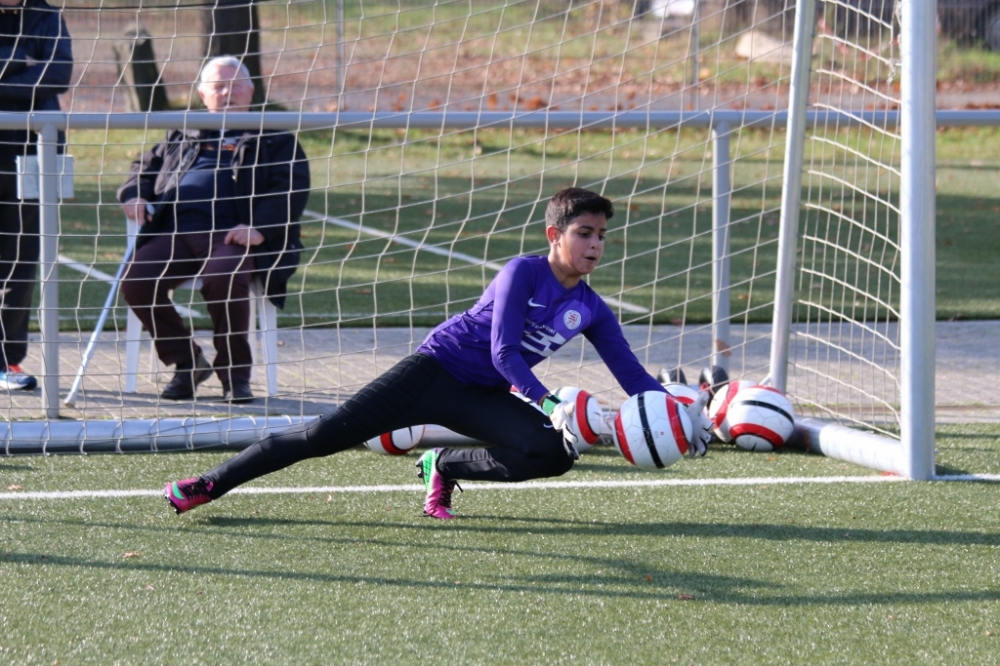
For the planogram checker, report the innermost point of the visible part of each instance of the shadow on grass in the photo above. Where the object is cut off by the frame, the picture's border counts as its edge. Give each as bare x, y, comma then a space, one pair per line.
643, 583
593, 459
260, 527
15, 467
631, 581
947, 470
557, 527
565, 527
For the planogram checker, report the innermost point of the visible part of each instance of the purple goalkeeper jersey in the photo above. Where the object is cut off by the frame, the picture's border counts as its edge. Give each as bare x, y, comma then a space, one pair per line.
522, 318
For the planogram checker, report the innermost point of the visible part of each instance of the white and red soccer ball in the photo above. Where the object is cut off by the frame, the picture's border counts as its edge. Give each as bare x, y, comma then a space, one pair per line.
718, 408
398, 442
684, 393
588, 418
652, 430
754, 417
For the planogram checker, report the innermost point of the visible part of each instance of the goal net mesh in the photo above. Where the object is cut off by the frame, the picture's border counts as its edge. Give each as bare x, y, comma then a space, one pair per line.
408, 221
847, 357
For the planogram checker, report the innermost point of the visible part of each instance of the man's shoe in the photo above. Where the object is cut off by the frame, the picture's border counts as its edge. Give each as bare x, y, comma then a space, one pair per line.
713, 379
187, 494
238, 393
672, 376
439, 489
13, 379
186, 380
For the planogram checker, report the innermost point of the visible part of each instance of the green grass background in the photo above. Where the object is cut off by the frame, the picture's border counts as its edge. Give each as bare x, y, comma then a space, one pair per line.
478, 193
876, 573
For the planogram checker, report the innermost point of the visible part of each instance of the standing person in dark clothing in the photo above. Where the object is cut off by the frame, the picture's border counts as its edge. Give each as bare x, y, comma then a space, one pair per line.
460, 377
221, 206
36, 63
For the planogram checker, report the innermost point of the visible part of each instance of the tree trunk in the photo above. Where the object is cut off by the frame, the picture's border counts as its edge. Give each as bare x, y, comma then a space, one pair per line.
232, 29
138, 68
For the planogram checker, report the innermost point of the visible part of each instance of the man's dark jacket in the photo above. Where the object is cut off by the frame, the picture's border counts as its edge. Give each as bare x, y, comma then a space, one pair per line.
36, 64
271, 185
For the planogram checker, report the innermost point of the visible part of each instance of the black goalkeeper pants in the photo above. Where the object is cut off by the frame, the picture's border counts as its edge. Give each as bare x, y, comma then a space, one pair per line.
416, 391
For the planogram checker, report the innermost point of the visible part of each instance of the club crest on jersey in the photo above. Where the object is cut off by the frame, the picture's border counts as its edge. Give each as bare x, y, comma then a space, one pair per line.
572, 319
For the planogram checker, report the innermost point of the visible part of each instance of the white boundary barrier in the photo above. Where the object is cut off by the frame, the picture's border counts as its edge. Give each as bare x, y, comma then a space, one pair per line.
918, 391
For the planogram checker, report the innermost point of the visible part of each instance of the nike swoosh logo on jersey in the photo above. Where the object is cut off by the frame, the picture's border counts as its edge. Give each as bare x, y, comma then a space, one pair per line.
548, 425
533, 304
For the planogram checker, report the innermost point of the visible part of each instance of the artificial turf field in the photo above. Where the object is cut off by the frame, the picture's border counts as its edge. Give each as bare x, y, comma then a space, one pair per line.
739, 558
755, 560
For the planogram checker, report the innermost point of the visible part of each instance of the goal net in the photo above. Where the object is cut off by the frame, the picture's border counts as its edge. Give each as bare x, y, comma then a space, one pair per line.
435, 133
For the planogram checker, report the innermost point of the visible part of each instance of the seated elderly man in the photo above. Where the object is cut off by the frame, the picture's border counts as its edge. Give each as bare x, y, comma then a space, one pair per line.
222, 206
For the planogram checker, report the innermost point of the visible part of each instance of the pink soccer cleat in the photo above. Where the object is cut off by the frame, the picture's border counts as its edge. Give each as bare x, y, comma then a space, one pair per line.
187, 494
439, 489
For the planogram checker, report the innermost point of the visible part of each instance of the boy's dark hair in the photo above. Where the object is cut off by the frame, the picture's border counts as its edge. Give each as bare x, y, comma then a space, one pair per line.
572, 202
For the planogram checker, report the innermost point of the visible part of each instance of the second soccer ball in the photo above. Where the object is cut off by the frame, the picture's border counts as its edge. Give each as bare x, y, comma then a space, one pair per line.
652, 430
588, 418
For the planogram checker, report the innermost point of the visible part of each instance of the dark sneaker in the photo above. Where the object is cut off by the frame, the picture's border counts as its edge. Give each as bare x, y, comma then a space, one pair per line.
186, 380
674, 376
187, 494
439, 489
237, 393
712, 379
13, 378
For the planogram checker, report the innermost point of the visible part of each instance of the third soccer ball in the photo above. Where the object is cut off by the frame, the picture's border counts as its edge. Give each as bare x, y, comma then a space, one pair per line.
718, 409
398, 442
760, 419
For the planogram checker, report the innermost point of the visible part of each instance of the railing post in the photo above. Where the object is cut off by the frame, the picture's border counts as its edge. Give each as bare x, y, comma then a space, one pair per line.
722, 190
341, 56
791, 191
48, 204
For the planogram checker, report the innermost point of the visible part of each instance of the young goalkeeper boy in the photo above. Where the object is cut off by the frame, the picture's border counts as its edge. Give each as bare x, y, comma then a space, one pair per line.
460, 377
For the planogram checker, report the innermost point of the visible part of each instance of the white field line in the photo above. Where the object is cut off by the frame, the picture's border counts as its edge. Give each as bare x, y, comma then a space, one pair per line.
89, 271
530, 485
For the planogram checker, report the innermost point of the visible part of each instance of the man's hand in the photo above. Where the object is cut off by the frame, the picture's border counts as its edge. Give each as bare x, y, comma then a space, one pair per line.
135, 209
701, 425
245, 236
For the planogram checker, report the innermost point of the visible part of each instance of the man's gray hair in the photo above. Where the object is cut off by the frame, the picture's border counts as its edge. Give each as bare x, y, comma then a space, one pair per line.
225, 61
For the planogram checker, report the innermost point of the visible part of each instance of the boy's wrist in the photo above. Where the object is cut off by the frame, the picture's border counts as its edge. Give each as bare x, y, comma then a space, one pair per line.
548, 403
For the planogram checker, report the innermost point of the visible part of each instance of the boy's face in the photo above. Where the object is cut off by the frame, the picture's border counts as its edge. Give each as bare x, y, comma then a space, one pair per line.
578, 249
10, 3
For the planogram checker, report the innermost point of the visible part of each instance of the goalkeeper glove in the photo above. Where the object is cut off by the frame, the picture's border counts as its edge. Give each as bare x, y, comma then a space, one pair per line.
562, 414
700, 424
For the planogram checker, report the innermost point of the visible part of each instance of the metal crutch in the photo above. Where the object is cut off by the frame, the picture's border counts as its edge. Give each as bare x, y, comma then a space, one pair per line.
88, 353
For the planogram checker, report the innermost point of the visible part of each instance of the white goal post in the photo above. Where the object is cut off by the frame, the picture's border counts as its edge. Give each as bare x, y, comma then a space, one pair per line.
912, 455
793, 246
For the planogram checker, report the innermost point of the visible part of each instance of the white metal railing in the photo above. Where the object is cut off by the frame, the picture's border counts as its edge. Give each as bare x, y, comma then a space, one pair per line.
721, 122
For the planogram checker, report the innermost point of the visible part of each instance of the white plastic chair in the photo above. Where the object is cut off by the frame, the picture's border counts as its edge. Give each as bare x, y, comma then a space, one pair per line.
264, 335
